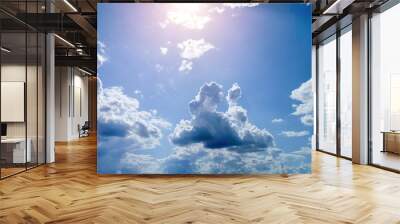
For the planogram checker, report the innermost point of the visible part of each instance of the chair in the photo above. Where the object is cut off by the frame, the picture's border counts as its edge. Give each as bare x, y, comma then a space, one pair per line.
84, 130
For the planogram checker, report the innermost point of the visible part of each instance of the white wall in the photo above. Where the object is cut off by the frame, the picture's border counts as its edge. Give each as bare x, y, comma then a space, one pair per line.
71, 87
17, 73
12, 73
81, 89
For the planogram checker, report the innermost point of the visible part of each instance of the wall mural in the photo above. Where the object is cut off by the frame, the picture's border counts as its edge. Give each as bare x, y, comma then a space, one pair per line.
204, 88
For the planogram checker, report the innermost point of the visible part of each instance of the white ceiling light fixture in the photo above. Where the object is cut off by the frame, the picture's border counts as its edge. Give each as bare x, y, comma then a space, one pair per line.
65, 41
70, 5
5, 50
84, 71
337, 7
79, 51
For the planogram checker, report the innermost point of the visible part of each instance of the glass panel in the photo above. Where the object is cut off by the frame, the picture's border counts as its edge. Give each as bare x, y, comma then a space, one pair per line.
327, 96
385, 93
23, 90
41, 99
346, 94
31, 88
313, 77
31, 98
13, 86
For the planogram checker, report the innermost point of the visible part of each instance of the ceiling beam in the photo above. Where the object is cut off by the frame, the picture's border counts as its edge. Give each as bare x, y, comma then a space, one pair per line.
86, 26
77, 61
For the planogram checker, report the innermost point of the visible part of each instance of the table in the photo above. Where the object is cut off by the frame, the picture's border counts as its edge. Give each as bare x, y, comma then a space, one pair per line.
16, 147
391, 141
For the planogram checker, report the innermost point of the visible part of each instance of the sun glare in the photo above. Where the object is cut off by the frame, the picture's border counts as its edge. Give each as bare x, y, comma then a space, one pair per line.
188, 15
188, 7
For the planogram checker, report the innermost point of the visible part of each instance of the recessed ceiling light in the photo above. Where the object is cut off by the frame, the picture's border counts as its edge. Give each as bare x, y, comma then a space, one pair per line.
64, 40
337, 7
5, 50
84, 71
70, 5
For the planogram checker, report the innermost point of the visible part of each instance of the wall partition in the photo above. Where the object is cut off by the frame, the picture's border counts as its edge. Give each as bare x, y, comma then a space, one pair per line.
220, 122
22, 77
14, 153
71, 102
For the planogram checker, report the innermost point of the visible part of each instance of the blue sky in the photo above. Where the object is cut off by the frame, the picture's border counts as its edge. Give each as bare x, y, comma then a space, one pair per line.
158, 56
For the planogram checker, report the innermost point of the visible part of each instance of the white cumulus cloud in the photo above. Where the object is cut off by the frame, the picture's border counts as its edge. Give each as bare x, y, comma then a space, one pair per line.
213, 129
121, 120
212, 141
304, 109
234, 94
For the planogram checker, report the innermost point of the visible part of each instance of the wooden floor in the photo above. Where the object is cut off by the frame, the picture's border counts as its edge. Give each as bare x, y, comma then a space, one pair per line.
5, 172
70, 191
387, 159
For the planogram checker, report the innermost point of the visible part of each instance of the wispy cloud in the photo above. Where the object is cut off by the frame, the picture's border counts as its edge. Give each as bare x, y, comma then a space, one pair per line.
164, 50
216, 9
277, 120
192, 49
197, 159
294, 133
101, 54
240, 5
185, 66
159, 68
138, 93
222, 8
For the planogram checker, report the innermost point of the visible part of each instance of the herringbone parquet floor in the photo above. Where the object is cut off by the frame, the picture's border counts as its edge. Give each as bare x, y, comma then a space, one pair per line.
70, 191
